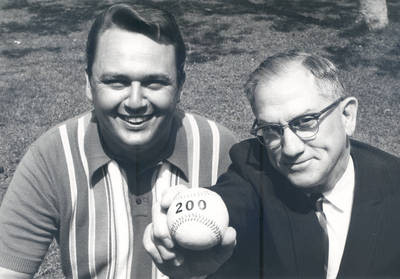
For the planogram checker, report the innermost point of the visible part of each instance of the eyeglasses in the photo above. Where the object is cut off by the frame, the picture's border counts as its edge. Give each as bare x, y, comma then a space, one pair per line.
305, 126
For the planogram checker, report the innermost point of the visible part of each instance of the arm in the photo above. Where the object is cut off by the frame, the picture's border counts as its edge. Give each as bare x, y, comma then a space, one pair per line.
244, 208
10, 274
28, 216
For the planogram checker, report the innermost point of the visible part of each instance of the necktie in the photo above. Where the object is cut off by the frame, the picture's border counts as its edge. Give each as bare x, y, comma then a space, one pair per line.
317, 200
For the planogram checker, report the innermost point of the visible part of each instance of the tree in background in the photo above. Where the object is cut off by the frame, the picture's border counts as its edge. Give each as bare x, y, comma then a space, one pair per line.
374, 13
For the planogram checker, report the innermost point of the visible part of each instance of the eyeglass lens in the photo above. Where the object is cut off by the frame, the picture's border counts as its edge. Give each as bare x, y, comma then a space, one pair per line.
305, 127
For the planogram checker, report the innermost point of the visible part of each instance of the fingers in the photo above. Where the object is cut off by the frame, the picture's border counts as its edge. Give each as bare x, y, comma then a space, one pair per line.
159, 215
165, 253
149, 245
156, 249
160, 226
170, 195
228, 244
229, 237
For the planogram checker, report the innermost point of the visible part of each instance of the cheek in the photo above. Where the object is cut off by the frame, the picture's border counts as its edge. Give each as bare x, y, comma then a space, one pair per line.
164, 101
328, 148
105, 100
332, 127
331, 135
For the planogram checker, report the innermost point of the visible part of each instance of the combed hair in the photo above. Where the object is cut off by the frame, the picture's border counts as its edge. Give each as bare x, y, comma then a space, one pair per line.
155, 23
321, 68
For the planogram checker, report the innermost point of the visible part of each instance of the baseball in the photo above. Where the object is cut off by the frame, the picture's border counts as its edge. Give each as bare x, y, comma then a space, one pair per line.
197, 219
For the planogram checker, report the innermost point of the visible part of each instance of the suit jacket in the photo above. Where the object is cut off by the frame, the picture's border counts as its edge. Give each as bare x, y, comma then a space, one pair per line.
279, 234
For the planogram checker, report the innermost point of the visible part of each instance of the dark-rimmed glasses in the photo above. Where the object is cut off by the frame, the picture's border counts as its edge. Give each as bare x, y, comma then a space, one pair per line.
305, 126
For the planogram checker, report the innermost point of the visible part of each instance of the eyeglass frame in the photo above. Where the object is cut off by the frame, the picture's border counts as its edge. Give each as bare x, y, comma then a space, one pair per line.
315, 115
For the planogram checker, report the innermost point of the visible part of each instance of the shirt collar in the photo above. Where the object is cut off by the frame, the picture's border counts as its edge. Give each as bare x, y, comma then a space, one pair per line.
341, 196
179, 155
95, 153
97, 156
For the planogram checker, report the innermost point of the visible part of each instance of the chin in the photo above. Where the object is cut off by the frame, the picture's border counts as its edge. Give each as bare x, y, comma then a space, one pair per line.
137, 144
303, 181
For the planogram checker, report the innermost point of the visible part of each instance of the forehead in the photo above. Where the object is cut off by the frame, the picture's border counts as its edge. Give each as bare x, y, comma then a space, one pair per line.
288, 94
121, 48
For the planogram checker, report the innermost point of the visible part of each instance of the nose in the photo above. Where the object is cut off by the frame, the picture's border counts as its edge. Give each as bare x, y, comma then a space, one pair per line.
292, 145
135, 99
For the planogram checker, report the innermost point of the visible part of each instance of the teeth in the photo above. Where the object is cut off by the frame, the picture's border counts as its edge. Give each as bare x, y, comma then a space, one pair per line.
136, 119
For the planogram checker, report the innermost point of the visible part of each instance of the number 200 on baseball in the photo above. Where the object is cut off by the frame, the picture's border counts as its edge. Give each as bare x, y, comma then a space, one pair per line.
189, 205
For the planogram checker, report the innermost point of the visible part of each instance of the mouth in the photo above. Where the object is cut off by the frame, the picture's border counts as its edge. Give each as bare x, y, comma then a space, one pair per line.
297, 165
136, 120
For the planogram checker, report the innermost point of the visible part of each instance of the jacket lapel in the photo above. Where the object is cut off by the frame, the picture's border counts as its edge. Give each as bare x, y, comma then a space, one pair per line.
278, 255
305, 232
286, 214
365, 219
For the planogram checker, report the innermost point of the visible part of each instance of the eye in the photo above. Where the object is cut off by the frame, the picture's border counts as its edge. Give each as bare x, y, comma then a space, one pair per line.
117, 84
155, 84
271, 130
305, 122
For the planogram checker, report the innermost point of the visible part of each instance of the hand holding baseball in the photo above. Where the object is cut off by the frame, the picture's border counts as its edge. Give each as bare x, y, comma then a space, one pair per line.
198, 220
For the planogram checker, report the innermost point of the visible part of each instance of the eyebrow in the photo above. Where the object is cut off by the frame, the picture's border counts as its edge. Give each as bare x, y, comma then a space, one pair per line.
145, 78
112, 76
306, 113
160, 77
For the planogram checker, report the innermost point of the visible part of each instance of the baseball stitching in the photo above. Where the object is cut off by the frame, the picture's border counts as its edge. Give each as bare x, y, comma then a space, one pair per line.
200, 194
200, 218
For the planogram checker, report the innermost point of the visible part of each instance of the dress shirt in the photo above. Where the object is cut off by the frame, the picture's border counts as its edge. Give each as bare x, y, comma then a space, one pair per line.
337, 207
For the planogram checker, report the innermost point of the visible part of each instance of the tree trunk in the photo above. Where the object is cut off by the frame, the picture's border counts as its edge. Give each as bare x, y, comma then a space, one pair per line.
374, 13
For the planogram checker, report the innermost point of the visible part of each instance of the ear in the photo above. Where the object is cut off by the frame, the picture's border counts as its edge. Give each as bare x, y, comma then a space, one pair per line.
180, 87
88, 89
178, 95
349, 114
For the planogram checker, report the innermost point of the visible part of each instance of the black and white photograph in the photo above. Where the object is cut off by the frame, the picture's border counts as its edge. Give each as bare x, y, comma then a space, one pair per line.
193, 139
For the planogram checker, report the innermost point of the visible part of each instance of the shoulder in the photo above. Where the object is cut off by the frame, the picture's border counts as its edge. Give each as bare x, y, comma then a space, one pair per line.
375, 157
52, 139
46, 155
206, 127
70, 125
208, 134
249, 152
375, 168
244, 148
43, 169
206, 144
249, 160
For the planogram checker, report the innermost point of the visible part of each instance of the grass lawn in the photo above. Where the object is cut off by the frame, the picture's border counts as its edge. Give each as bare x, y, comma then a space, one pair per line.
42, 65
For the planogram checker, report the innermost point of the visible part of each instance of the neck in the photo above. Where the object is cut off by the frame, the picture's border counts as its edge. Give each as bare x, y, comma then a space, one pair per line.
144, 156
141, 156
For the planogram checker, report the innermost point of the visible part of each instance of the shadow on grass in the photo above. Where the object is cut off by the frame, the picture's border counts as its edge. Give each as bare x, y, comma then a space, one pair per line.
52, 18
295, 16
17, 53
205, 40
285, 16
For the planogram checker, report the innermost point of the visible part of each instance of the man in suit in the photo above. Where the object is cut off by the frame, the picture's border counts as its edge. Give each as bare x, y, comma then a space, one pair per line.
305, 199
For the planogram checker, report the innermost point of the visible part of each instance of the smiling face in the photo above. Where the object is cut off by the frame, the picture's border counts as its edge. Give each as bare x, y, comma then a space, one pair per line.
313, 164
134, 91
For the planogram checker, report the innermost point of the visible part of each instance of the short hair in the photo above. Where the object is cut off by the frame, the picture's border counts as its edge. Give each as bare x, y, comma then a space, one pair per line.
325, 72
155, 23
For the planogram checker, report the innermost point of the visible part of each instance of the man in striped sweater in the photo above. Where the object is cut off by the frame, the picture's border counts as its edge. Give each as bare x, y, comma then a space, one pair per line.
91, 181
